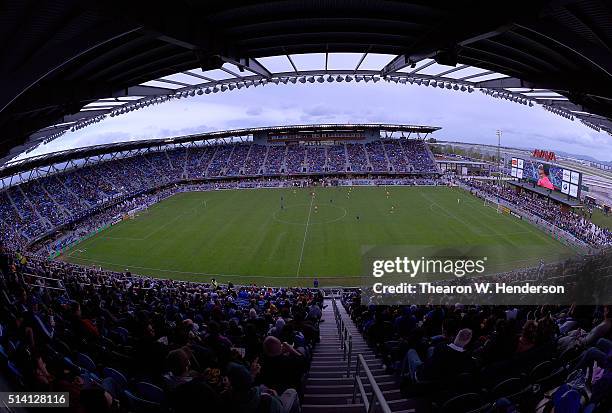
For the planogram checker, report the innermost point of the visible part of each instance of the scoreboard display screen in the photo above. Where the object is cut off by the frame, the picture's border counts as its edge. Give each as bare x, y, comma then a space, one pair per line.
546, 175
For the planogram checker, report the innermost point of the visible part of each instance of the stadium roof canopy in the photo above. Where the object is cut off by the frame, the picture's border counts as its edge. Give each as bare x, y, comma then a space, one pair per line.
70, 63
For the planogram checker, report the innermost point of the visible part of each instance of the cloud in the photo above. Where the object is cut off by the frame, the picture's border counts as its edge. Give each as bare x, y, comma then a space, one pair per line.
463, 116
254, 111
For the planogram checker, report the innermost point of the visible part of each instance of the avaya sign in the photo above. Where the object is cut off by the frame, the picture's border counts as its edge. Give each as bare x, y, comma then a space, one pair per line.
547, 155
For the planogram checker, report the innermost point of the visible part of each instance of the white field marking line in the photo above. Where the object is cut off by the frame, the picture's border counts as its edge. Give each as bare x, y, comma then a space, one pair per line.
71, 253
156, 230
203, 273
305, 234
124, 238
275, 217
501, 235
531, 227
192, 210
237, 275
448, 213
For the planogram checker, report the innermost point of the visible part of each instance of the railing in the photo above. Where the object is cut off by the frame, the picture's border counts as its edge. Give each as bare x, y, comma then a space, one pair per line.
45, 281
347, 349
377, 397
346, 339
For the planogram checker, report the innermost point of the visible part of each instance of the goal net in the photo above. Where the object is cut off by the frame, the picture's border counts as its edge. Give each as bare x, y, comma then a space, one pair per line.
498, 207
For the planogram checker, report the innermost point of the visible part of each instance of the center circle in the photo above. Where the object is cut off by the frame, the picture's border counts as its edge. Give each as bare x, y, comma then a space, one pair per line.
320, 213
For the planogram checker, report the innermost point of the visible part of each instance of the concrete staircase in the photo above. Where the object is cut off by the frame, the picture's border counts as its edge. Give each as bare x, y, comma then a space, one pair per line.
328, 388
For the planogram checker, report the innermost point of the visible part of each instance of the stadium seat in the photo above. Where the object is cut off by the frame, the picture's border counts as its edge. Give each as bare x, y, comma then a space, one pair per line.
3, 356
513, 389
71, 365
43, 327
547, 376
15, 375
85, 362
150, 392
139, 405
465, 403
118, 377
123, 333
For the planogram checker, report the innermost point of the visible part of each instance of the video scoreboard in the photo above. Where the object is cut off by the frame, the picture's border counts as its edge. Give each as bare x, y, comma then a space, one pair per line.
547, 175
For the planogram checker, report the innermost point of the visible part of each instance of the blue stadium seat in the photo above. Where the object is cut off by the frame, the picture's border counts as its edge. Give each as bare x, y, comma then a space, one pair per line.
15, 375
71, 365
43, 327
118, 378
150, 392
139, 405
121, 333
464, 403
85, 362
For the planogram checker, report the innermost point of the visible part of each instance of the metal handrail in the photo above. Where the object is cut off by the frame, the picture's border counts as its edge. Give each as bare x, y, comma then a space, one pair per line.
346, 339
350, 355
377, 396
337, 317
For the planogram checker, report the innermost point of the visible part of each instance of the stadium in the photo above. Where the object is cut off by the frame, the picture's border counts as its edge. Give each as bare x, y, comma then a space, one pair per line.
313, 267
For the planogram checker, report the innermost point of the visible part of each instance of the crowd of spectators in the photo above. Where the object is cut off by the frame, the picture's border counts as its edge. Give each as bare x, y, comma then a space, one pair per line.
317, 159
396, 156
218, 164
275, 159
336, 158
294, 159
198, 159
523, 358
419, 155
376, 156
237, 161
571, 222
357, 157
253, 165
113, 339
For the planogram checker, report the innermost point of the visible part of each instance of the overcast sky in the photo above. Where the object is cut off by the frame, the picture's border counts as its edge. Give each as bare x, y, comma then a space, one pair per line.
463, 117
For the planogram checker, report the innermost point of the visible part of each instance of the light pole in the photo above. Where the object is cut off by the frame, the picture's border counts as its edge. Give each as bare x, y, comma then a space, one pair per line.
499, 161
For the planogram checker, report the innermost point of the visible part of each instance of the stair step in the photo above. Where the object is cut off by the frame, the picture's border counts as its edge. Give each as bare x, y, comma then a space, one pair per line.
357, 348
332, 408
327, 390
372, 364
344, 398
323, 374
327, 381
345, 388
334, 357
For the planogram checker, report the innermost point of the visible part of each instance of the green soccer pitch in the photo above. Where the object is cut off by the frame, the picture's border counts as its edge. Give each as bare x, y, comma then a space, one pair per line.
288, 237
